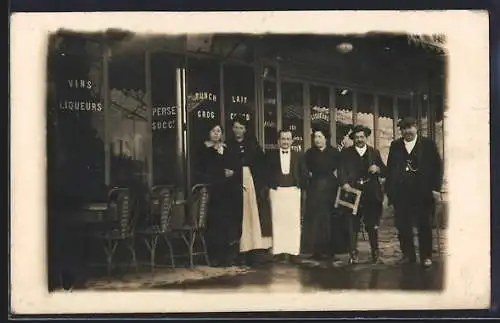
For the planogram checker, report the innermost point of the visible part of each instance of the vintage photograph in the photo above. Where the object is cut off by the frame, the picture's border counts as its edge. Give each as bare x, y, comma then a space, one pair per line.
246, 162
249, 162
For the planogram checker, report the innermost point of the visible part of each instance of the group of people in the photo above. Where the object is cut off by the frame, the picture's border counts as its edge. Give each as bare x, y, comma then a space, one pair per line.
284, 200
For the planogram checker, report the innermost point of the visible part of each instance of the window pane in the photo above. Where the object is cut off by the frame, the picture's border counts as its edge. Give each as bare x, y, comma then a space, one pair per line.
76, 123
319, 105
343, 117
293, 112
239, 98
404, 110
203, 104
128, 125
270, 116
365, 113
385, 125
164, 127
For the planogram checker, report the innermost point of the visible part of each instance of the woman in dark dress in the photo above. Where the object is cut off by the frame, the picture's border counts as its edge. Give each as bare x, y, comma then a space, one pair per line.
248, 163
211, 169
322, 161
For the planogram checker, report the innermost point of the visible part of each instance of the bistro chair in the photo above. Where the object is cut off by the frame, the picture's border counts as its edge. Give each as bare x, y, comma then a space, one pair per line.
194, 230
160, 215
120, 227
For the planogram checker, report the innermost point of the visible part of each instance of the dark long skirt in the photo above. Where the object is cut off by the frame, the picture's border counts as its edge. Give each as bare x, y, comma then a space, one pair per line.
317, 224
223, 224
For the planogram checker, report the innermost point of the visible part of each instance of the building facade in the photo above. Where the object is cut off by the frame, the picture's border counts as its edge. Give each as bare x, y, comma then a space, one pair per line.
124, 108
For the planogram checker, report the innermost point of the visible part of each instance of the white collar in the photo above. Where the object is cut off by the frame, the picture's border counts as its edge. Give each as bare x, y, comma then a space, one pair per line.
283, 150
412, 142
361, 151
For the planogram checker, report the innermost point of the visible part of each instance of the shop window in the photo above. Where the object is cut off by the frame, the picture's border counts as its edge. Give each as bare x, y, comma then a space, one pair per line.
76, 159
439, 132
164, 112
365, 115
239, 97
270, 116
203, 106
293, 112
343, 116
404, 110
128, 124
320, 107
385, 125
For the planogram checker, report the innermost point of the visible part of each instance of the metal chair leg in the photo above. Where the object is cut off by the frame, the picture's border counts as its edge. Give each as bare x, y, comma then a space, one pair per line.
205, 251
191, 249
131, 247
152, 250
109, 249
170, 250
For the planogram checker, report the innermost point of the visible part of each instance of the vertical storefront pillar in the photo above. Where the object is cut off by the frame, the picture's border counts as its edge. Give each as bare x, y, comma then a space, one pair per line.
221, 102
376, 133
279, 98
306, 103
181, 129
354, 107
333, 117
259, 101
396, 117
106, 53
149, 107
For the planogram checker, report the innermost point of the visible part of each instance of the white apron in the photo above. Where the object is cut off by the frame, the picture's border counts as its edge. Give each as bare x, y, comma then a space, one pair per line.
251, 234
285, 208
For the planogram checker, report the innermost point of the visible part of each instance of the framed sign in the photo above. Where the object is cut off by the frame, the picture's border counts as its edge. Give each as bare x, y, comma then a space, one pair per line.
348, 198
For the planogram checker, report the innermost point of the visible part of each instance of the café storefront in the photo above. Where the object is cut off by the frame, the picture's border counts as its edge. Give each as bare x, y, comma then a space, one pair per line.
127, 108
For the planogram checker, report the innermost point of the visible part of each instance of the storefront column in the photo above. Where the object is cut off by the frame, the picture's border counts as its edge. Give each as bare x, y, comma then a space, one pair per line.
181, 130
333, 116
149, 107
106, 53
376, 135
395, 127
354, 107
221, 101
279, 98
306, 103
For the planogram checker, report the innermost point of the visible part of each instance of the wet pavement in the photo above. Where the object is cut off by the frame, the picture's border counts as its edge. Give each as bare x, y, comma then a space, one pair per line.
304, 277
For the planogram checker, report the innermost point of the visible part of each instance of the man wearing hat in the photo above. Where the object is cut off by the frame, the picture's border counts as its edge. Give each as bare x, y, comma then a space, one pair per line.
361, 168
413, 184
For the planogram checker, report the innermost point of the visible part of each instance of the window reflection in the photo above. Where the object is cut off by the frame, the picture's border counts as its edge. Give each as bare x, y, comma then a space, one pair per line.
365, 113
270, 116
293, 112
385, 125
343, 117
319, 105
203, 105
128, 124
239, 98
404, 110
76, 122
164, 100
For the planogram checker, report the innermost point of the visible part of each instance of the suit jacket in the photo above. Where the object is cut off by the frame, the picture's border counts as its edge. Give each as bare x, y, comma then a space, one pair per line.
349, 173
430, 168
297, 168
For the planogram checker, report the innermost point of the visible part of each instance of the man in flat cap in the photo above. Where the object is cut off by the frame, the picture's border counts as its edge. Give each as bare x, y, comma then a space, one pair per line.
413, 184
361, 168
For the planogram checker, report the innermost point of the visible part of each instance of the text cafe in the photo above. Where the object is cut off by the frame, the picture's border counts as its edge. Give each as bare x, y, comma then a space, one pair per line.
125, 108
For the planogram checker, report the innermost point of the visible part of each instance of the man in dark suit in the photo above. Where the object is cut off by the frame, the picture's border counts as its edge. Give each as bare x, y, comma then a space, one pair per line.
285, 177
413, 184
361, 168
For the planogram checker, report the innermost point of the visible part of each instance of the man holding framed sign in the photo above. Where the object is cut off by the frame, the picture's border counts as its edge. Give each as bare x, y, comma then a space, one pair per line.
361, 169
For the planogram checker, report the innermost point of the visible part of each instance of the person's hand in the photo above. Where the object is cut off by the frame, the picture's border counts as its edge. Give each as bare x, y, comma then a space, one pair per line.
310, 174
436, 195
346, 187
374, 169
228, 172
